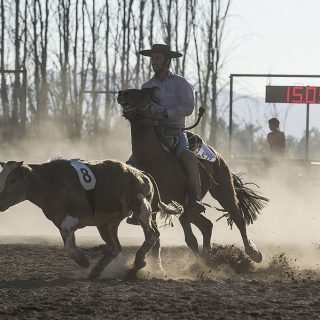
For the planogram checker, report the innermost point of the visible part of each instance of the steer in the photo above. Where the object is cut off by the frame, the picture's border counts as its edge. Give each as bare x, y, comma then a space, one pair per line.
74, 194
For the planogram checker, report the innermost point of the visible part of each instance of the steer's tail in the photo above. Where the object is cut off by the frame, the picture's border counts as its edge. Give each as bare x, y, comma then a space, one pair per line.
166, 209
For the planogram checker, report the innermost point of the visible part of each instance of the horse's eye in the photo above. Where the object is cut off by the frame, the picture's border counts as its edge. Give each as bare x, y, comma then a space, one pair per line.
12, 181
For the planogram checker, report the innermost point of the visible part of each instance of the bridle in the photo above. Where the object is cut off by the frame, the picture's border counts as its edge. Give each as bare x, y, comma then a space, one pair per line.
130, 111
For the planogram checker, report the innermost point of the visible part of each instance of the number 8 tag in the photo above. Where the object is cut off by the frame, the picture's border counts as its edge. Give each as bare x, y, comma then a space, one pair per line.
86, 176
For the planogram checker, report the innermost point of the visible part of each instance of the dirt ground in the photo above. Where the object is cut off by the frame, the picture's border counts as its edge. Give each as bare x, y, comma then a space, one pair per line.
39, 281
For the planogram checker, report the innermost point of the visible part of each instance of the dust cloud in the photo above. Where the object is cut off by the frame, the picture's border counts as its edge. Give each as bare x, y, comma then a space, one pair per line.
290, 223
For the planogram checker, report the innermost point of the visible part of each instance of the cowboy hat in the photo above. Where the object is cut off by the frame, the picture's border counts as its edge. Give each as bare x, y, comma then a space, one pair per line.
161, 48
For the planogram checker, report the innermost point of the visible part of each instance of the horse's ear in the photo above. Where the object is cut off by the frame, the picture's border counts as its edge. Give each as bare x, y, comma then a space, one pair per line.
16, 164
2, 164
151, 91
20, 163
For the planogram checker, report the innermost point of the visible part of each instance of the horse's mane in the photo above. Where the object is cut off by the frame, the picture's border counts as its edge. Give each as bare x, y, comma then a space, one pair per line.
56, 158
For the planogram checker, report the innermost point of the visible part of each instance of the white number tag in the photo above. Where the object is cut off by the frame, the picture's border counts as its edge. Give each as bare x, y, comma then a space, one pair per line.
206, 153
86, 176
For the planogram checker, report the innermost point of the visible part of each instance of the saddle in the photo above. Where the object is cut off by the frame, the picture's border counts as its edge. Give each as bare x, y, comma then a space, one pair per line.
195, 141
196, 145
200, 148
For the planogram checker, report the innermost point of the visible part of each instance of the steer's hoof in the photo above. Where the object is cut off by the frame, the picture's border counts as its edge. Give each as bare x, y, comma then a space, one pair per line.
253, 252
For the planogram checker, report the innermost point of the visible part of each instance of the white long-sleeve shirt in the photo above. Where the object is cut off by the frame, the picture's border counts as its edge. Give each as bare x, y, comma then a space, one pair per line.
175, 96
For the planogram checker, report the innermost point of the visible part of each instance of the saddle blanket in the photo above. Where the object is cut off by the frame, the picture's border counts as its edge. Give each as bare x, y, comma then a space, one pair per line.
200, 148
204, 152
86, 176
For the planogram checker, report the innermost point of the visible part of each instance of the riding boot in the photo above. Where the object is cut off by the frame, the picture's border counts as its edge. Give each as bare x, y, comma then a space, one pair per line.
191, 166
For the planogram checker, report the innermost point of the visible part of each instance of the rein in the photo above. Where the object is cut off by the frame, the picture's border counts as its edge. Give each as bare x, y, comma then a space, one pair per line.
200, 114
134, 111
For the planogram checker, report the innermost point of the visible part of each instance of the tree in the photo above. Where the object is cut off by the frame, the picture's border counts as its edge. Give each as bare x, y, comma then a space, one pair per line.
213, 30
98, 43
4, 92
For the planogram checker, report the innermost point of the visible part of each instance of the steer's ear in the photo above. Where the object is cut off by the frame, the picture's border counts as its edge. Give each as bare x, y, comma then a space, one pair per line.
20, 163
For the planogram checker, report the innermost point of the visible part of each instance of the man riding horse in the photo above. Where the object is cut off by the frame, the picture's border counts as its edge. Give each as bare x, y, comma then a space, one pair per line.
157, 116
174, 101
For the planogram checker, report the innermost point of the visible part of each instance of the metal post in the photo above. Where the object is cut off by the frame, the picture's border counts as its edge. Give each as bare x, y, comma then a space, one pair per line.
196, 93
196, 105
24, 103
307, 131
230, 115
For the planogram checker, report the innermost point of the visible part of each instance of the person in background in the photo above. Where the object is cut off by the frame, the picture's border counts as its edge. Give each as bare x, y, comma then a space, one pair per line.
276, 140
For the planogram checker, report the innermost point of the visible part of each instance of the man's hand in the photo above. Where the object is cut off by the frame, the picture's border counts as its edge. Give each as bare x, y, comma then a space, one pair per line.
156, 115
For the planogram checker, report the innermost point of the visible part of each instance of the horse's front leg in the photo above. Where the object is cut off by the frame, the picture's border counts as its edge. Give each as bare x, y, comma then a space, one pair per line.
151, 233
156, 249
228, 202
205, 226
67, 230
250, 248
190, 238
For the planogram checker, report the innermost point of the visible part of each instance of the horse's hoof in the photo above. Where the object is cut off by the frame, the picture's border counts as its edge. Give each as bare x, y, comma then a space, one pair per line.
94, 274
254, 254
140, 264
205, 257
132, 274
205, 260
206, 252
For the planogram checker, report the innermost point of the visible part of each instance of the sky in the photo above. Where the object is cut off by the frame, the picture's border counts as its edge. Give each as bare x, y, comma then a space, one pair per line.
275, 36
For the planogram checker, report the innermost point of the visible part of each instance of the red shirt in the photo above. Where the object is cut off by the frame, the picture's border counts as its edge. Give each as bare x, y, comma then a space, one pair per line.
277, 142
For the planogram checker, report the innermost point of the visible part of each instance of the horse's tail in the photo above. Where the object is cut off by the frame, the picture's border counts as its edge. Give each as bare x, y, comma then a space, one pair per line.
250, 202
247, 199
166, 210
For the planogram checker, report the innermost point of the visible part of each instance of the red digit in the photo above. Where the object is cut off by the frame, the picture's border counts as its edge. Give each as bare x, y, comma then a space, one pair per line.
288, 94
313, 100
297, 94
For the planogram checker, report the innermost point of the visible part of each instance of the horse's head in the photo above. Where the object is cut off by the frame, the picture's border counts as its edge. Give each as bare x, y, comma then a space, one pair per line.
12, 184
135, 102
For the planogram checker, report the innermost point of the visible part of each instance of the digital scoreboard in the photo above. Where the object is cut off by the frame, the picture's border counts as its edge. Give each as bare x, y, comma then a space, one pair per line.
293, 94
